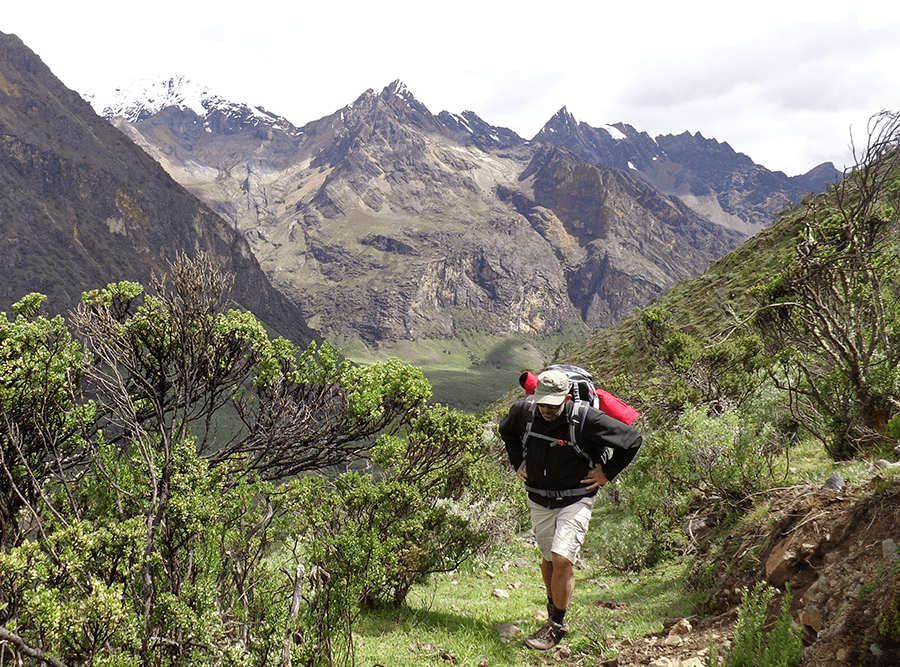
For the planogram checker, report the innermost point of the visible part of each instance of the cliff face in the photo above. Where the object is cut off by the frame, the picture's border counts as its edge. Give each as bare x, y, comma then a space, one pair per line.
718, 183
82, 206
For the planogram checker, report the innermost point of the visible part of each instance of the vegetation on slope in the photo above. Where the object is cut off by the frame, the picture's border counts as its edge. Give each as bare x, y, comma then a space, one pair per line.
170, 487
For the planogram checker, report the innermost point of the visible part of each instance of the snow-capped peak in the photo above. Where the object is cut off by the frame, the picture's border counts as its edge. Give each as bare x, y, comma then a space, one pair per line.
143, 98
150, 96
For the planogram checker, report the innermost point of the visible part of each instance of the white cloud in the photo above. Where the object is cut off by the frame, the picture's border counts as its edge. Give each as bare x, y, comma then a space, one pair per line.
780, 81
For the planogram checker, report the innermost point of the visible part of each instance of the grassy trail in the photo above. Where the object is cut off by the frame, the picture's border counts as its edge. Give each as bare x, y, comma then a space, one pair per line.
457, 618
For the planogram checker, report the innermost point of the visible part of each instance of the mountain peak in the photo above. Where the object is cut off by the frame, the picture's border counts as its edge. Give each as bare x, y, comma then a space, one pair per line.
398, 89
563, 124
565, 116
144, 98
389, 96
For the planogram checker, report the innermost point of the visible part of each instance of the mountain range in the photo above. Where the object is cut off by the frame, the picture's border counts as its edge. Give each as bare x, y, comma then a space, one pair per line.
386, 222
378, 225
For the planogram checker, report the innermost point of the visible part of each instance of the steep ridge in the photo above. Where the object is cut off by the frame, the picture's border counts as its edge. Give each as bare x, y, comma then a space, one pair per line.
713, 179
82, 206
618, 238
387, 222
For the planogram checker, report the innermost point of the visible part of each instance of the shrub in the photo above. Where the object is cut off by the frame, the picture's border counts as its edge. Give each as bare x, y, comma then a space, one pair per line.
627, 547
366, 539
782, 647
159, 536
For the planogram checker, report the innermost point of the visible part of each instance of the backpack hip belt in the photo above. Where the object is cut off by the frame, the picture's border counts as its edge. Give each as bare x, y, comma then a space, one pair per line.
556, 494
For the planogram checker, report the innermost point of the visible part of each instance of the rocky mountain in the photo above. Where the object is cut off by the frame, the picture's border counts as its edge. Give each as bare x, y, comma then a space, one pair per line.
386, 222
81, 206
720, 184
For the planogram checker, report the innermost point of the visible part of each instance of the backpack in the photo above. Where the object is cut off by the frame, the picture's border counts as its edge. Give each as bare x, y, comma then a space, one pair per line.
581, 383
581, 387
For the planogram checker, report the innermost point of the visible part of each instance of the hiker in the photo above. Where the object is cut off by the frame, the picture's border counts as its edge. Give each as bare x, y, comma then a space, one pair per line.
563, 450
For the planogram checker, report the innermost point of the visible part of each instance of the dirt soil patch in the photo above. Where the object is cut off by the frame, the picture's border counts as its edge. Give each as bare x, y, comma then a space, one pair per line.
834, 548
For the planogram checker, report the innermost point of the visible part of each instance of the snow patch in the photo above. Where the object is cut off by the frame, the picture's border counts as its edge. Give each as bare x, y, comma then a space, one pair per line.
465, 124
614, 132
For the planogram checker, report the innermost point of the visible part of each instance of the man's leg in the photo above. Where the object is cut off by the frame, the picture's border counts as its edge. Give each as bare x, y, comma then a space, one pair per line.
559, 580
565, 528
562, 581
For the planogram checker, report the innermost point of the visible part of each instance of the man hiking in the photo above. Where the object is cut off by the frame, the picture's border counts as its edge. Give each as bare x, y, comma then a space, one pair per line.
562, 478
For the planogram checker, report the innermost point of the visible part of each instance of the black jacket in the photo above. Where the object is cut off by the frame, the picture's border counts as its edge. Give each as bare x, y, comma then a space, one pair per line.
610, 444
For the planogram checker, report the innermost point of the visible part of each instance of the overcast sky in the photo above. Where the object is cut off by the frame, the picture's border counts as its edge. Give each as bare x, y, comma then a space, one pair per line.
782, 81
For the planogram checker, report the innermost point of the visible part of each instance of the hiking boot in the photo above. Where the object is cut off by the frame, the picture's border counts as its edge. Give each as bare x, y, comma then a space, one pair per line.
547, 637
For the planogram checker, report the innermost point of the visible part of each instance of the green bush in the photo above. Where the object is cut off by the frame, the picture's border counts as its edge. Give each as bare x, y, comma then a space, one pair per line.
42, 423
628, 547
717, 455
366, 539
382, 533
160, 534
202, 590
782, 647
893, 427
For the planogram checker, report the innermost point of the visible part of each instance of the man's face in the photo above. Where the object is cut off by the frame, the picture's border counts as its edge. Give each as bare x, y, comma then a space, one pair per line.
552, 412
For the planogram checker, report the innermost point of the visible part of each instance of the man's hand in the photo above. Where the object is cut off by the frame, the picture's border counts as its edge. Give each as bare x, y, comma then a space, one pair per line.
595, 479
522, 473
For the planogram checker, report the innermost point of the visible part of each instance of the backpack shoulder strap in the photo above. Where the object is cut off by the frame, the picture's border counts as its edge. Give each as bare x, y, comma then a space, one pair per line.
529, 412
528, 432
576, 426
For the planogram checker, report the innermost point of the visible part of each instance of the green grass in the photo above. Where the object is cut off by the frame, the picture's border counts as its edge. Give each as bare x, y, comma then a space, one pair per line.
809, 463
456, 614
473, 371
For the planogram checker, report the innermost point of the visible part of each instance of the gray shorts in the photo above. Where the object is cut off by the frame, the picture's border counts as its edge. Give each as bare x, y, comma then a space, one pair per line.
561, 530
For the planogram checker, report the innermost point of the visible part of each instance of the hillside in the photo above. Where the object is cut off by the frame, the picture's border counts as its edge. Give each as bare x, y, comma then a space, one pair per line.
82, 206
830, 544
833, 542
704, 306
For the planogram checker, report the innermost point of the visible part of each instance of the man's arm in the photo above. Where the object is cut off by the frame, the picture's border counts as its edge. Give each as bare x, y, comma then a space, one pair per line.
510, 433
624, 441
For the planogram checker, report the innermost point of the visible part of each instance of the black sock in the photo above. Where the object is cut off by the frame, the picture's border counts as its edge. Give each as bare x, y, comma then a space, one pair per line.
558, 616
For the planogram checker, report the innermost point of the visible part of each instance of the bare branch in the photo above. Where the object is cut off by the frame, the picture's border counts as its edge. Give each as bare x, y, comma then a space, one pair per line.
30, 651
